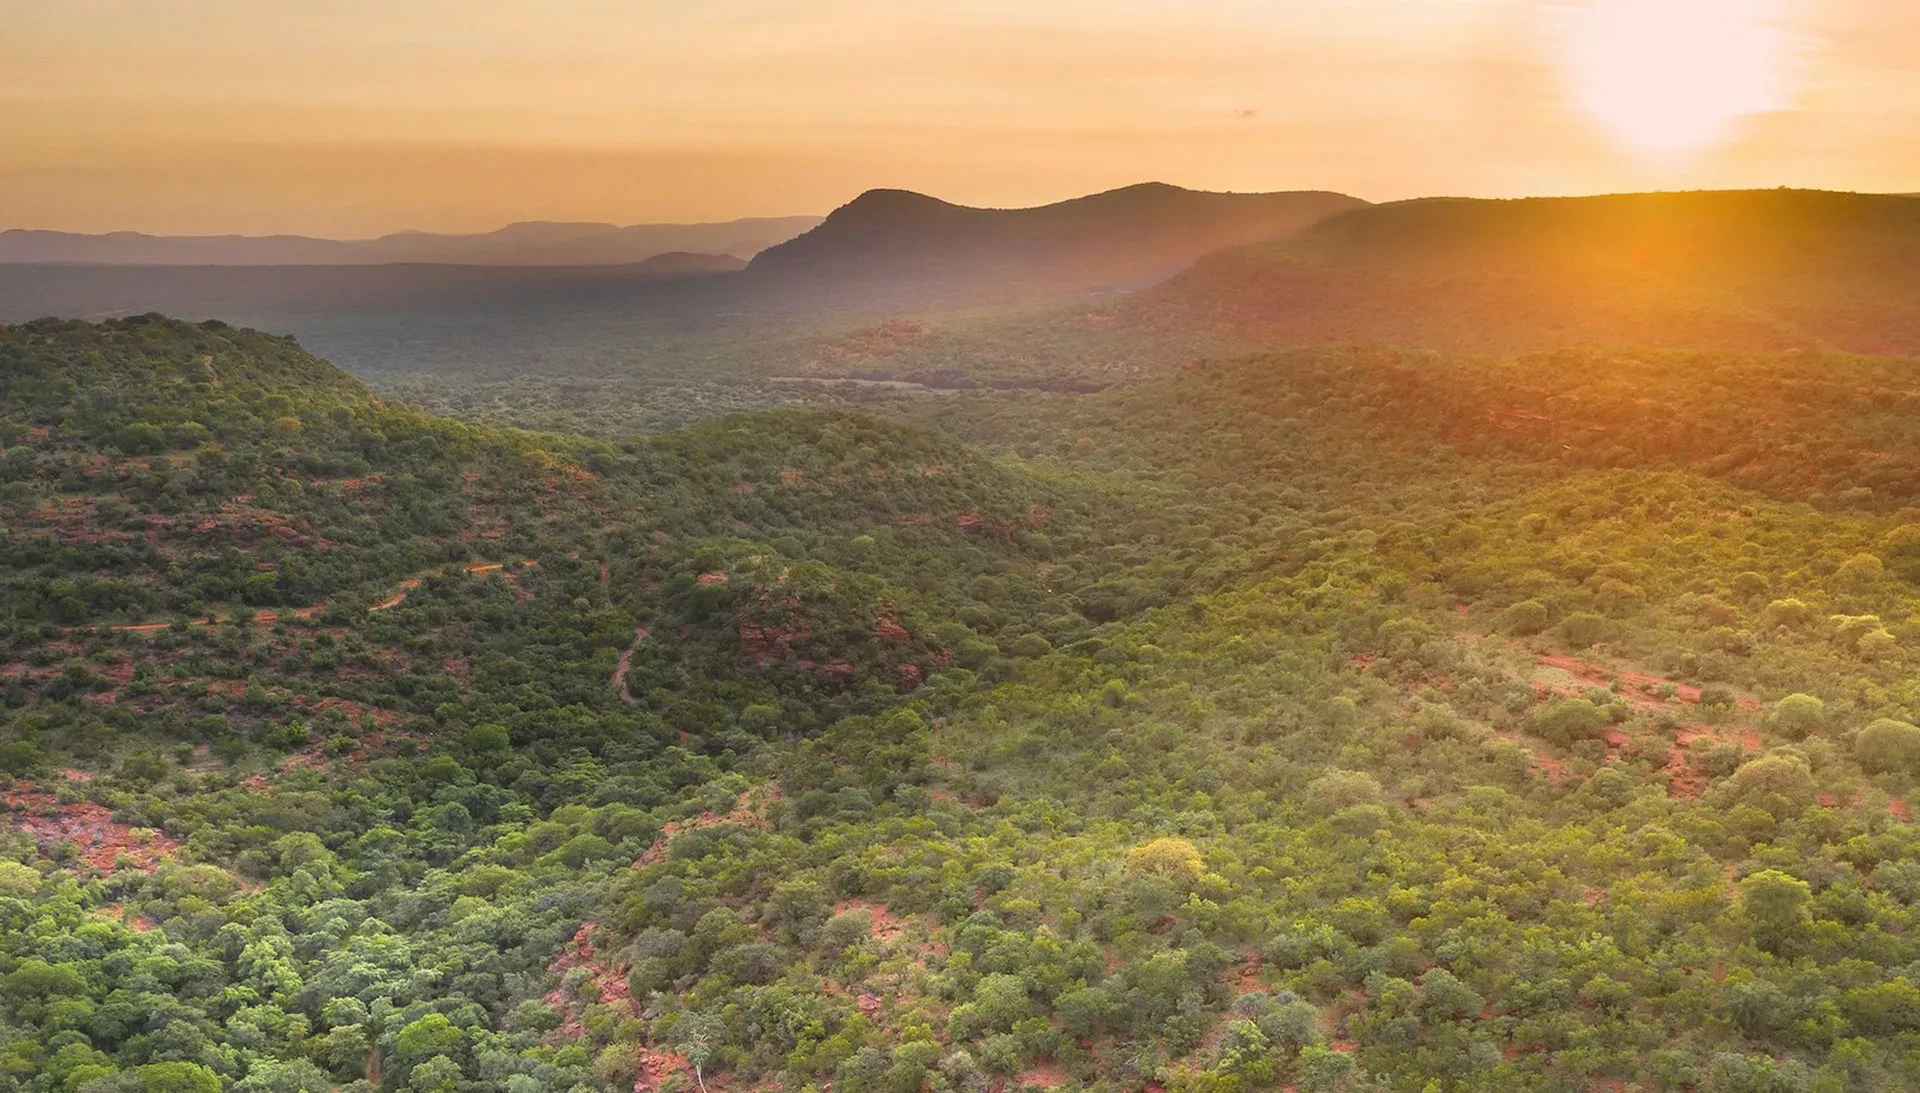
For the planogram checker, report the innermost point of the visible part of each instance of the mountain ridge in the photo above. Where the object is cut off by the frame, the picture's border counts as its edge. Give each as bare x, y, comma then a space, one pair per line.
1117, 238
1761, 269
526, 242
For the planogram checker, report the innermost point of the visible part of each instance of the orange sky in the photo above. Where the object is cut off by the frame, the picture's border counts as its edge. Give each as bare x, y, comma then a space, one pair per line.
353, 117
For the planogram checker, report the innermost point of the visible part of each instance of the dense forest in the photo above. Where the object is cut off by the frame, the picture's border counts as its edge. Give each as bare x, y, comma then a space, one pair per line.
1333, 719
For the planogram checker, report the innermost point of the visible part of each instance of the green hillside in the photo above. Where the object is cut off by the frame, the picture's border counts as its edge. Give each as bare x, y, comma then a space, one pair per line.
1330, 719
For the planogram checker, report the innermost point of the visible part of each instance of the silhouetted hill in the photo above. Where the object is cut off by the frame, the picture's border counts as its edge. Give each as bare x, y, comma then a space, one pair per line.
530, 243
1122, 238
1748, 269
681, 262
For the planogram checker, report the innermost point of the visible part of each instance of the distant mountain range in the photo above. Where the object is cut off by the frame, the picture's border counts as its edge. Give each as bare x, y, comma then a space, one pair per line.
1213, 274
1764, 269
896, 241
532, 243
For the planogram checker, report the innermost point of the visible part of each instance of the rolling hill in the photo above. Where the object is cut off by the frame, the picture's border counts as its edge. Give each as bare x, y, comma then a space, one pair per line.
1345, 719
884, 255
1739, 270
529, 243
1769, 269
889, 239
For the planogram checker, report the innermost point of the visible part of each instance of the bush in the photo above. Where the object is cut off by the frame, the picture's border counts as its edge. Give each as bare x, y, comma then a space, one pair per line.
1879, 645
1888, 745
1173, 859
1798, 716
1330, 793
1861, 569
1570, 720
1524, 618
1772, 776
1788, 614
1585, 628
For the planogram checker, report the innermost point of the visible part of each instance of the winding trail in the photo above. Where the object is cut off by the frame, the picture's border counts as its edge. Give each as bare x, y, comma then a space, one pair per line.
626, 665
399, 597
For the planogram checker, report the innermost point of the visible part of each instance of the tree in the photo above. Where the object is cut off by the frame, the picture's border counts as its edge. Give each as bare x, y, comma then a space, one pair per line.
1775, 903
1798, 715
1758, 781
273, 1076
1789, 613
1169, 859
436, 1075
427, 1037
698, 1036
1569, 720
1525, 617
1888, 745
1330, 793
177, 1077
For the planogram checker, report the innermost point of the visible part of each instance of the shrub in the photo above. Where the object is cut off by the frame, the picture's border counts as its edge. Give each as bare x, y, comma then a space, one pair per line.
1585, 628
1569, 720
1330, 793
1888, 745
1759, 781
1789, 614
1798, 716
1879, 645
1173, 859
1525, 617
1861, 569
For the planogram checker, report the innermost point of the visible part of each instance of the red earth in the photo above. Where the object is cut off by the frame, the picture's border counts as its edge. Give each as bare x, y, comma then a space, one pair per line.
99, 841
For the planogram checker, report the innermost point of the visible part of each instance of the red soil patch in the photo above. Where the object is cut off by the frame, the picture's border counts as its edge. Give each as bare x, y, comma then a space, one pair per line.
711, 578
887, 627
656, 1067
885, 926
1898, 809
399, 597
1245, 976
1045, 1075
1542, 762
139, 924
747, 812
1636, 687
1686, 782
91, 828
588, 949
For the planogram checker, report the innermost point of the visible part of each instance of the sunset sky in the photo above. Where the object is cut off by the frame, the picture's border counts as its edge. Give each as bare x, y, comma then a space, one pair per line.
355, 117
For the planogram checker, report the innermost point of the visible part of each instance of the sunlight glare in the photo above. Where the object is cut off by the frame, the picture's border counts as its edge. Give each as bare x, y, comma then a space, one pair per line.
1669, 76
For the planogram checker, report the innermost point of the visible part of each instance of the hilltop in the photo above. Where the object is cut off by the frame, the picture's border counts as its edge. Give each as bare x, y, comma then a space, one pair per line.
1122, 238
1761, 270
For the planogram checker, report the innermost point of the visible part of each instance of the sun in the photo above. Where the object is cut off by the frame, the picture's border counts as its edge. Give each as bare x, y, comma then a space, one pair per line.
1669, 76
